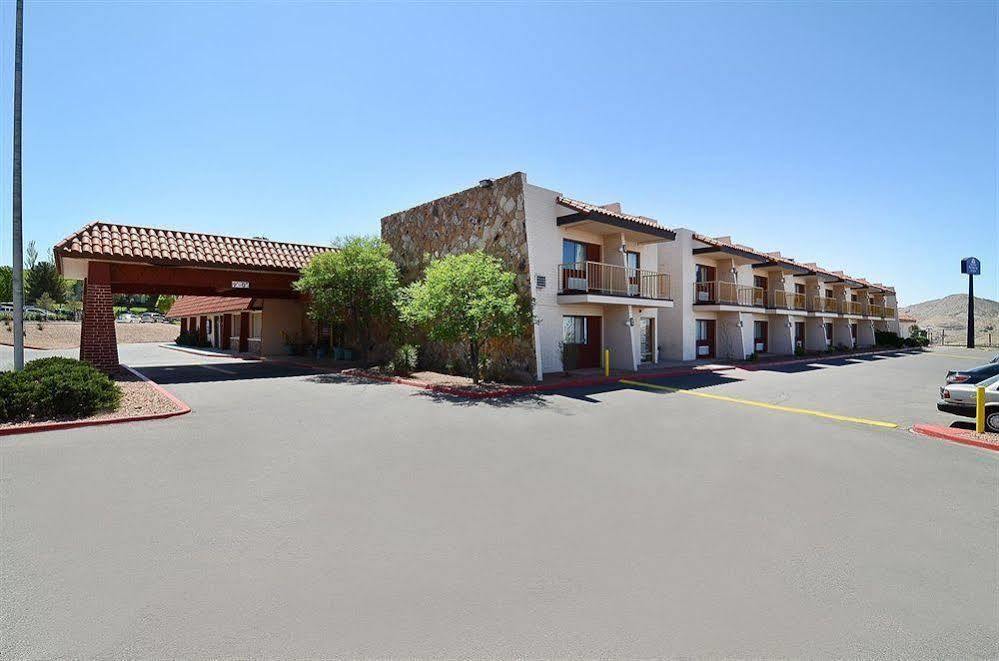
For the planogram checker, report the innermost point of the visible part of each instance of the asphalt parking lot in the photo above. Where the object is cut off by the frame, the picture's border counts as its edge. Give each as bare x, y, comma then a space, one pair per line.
297, 513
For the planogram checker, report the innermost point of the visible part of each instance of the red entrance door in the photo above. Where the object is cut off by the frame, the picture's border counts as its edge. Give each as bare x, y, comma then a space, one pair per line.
244, 332
226, 331
589, 352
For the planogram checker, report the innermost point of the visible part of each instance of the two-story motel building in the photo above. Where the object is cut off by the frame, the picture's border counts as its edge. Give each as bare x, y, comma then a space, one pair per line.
602, 279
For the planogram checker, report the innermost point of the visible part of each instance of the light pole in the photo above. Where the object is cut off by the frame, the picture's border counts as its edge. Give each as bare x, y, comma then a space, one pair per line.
18, 241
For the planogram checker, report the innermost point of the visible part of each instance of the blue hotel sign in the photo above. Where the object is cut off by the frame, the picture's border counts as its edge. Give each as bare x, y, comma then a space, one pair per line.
971, 266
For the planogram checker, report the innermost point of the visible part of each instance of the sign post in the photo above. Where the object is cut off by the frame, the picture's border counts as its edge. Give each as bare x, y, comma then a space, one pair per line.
972, 267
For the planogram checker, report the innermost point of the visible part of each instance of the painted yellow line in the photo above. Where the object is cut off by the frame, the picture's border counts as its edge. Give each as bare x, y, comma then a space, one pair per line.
764, 405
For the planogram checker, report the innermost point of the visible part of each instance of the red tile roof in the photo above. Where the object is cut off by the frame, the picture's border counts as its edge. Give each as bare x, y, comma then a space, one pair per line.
190, 306
586, 207
171, 247
775, 257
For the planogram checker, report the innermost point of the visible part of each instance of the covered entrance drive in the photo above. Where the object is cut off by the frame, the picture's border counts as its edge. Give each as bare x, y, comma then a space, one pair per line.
120, 259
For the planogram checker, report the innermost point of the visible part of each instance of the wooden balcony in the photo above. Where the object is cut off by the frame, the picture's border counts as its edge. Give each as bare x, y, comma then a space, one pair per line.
785, 300
823, 304
728, 293
612, 280
853, 307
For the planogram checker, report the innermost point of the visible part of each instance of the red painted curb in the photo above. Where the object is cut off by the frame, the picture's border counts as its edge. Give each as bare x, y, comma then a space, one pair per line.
953, 435
72, 424
555, 387
752, 367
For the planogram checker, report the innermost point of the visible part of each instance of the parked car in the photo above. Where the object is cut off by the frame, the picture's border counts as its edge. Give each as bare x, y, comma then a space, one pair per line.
151, 317
32, 312
975, 374
128, 318
961, 399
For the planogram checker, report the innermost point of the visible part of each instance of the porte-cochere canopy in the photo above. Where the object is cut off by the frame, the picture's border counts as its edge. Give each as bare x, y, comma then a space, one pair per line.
124, 259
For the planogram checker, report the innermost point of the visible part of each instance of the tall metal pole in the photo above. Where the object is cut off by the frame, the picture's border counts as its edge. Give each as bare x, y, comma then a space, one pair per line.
971, 311
18, 262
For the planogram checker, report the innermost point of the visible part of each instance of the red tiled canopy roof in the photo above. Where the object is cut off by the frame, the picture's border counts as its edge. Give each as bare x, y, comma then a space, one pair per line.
100, 240
586, 207
191, 306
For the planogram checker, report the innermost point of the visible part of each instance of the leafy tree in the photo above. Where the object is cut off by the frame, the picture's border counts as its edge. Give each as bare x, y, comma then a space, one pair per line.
466, 298
354, 286
163, 303
46, 302
31, 256
44, 278
6, 284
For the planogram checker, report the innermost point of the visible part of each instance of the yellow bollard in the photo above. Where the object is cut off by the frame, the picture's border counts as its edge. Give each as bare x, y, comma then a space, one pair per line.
607, 362
980, 409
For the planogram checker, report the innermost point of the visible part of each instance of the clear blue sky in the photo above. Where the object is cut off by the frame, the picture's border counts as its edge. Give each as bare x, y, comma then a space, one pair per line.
861, 135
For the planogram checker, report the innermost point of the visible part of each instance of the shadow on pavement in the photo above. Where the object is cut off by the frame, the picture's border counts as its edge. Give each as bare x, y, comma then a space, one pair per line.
821, 363
211, 372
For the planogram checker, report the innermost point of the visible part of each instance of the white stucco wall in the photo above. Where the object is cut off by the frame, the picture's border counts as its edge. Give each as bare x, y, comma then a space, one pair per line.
544, 249
280, 316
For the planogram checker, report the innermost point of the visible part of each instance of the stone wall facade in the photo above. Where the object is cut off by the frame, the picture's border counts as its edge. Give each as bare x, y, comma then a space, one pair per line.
488, 218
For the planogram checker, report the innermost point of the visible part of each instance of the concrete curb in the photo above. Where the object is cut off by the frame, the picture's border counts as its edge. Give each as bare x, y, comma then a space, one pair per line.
523, 390
752, 367
962, 436
207, 354
73, 424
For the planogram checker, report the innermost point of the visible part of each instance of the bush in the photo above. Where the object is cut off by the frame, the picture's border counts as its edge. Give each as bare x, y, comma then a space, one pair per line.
888, 339
53, 387
405, 359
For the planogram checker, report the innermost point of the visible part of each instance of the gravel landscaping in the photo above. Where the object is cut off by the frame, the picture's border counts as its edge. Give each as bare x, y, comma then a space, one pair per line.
139, 398
66, 334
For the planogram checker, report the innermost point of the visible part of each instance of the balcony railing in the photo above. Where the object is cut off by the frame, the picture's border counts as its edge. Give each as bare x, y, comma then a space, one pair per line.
786, 300
730, 293
613, 280
853, 307
823, 304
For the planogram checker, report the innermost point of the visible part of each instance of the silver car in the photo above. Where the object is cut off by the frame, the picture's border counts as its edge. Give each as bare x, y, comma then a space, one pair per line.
960, 399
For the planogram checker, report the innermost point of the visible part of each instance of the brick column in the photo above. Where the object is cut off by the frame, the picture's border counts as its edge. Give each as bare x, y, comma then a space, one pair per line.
98, 342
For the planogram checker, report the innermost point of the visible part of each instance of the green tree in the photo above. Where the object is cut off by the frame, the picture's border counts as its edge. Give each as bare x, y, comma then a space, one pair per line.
44, 278
355, 286
46, 302
6, 284
466, 298
164, 303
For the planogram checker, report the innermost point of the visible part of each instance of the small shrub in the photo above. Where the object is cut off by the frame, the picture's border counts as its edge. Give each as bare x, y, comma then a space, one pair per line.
187, 339
753, 357
53, 387
799, 350
888, 339
404, 360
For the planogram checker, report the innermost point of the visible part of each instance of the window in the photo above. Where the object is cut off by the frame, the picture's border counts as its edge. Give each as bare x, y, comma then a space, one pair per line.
573, 252
799, 288
828, 328
704, 273
634, 260
703, 330
799, 334
760, 330
256, 321
760, 281
574, 330
829, 293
